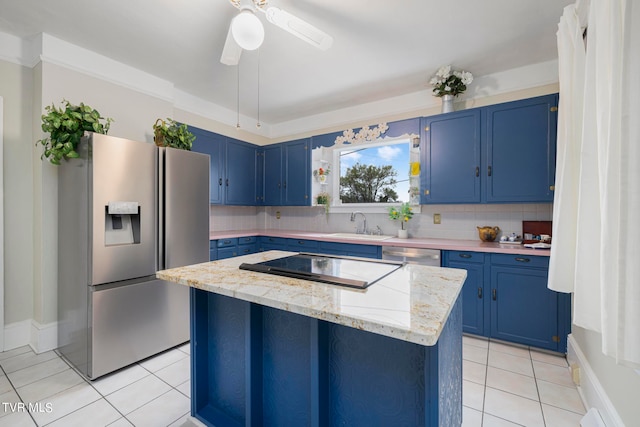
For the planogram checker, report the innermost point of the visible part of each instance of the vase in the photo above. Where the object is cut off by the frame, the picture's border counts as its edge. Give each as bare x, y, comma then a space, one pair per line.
403, 234
447, 103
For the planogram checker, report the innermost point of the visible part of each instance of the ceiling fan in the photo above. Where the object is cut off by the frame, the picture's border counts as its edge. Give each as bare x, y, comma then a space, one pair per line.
246, 31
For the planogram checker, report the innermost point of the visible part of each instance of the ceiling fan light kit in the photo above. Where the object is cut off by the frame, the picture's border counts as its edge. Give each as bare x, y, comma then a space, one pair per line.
247, 30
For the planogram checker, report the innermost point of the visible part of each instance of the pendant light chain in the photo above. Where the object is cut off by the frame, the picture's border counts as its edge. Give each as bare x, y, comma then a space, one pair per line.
238, 96
258, 124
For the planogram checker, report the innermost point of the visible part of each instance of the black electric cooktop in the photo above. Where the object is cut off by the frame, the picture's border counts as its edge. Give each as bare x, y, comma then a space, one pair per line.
336, 270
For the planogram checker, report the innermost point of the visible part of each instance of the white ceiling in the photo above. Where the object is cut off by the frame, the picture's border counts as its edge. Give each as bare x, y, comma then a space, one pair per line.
381, 48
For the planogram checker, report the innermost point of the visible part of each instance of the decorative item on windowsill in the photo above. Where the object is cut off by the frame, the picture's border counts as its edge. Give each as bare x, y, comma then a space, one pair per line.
323, 199
447, 85
66, 126
404, 214
320, 174
170, 133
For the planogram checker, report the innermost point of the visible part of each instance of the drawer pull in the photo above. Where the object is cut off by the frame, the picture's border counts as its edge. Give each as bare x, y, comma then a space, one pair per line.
479, 293
489, 170
523, 259
477, 171
219, 181
464, 255
226, 242
494, 294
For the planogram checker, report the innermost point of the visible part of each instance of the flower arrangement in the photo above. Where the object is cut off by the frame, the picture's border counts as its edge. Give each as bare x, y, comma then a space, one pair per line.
404, 213
321, 171
453, 83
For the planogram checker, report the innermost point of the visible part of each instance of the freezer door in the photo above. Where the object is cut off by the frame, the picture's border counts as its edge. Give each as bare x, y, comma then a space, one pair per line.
123, 176
185, 218
135, 321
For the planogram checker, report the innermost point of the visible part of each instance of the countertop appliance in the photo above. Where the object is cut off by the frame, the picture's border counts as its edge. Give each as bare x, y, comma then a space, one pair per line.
125, 210
429, 257
336, 270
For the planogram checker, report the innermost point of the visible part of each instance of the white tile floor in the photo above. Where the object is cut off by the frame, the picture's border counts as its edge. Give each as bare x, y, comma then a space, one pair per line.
503, 385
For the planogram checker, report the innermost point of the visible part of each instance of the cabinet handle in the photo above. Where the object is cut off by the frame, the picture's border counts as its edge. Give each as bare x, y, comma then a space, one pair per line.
488, 170
477, 171
480, 293
300, 242
464, 255
219, 181
279, 185
227, 182
523, 259
494, 294
284, 185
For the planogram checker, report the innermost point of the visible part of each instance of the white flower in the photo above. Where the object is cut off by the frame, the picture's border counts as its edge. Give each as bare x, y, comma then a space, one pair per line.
434, 81
466, 77
444, 72
447, 88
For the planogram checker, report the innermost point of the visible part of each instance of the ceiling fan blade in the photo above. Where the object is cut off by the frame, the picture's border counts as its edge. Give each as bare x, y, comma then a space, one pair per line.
298, 27
231, 51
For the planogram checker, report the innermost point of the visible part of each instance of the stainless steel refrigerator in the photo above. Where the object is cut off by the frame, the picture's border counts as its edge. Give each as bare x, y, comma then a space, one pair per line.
125, 210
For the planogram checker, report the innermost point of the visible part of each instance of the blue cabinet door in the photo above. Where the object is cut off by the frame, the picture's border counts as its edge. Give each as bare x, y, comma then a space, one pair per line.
296, 184
212, 144
475, 304
450, 157
523, 309
240, 182
520, 146
272, 175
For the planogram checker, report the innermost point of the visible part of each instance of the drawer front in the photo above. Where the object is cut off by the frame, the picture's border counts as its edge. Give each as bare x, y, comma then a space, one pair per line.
268, 240
302, 245
367, 251
247, 249
225, 253
247, 240
213, 244
466, 256
225, 243
529, 261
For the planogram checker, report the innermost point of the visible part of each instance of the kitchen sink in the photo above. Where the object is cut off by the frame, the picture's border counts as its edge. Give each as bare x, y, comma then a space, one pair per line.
376, 237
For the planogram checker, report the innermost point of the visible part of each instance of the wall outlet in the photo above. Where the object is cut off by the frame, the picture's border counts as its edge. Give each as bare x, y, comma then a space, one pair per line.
277, 214
436, 218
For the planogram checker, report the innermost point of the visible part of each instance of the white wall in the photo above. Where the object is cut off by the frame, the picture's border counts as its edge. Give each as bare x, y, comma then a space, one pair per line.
16, 87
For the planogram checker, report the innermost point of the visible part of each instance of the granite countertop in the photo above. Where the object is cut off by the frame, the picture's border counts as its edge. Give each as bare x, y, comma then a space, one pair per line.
411, 304
425, 243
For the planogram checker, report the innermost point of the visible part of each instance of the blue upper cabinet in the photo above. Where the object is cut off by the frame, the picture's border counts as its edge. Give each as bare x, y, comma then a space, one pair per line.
241, 166
520, 150
272, 175
214, 145
287, 174
450, 157
296, 185
233, 167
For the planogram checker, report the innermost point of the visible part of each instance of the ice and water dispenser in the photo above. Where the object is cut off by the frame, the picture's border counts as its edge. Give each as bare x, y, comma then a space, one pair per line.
122, 223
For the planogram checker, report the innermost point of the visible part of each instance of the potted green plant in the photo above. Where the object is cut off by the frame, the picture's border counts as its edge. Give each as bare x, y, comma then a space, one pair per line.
169, 133
65, 126
404, 214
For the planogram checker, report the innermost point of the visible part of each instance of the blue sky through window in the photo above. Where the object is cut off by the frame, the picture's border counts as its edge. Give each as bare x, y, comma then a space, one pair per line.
395, 153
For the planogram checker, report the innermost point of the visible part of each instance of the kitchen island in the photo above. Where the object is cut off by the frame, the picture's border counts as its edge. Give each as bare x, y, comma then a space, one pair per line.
271, 350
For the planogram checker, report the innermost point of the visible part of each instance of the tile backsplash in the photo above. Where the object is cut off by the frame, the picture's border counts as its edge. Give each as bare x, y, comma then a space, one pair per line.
457, 221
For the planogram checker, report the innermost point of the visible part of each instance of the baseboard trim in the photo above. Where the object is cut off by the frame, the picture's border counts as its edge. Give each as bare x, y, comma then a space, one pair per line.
591, 391
17, 334
29, 332
43, 337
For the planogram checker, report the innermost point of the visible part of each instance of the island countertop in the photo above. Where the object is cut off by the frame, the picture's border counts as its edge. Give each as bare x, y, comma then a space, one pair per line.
411, 304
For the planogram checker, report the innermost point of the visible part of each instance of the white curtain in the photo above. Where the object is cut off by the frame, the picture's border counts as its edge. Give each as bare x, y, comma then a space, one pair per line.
597, 202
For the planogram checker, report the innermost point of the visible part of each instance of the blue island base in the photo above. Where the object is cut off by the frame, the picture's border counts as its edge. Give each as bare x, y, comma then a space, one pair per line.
258, 366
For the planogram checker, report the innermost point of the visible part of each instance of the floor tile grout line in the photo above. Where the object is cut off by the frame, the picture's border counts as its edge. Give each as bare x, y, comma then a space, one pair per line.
15, 390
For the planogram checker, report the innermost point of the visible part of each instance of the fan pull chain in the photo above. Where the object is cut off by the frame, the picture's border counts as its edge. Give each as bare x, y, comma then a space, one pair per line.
258, 124
238, 96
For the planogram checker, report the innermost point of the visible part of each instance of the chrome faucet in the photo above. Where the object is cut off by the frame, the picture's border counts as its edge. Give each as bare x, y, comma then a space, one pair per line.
364, 222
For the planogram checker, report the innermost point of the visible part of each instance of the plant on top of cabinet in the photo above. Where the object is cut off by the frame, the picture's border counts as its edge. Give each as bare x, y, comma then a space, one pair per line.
170, 133
66, 126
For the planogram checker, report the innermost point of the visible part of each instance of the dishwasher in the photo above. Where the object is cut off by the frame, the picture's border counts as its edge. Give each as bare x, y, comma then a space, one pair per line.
430, 257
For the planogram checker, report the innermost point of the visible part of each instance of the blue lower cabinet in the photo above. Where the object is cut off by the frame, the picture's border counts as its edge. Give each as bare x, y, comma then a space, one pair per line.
475, 304
228, 252
506, 297
254, 365
268, 243
302, 245
213, 250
